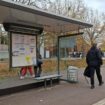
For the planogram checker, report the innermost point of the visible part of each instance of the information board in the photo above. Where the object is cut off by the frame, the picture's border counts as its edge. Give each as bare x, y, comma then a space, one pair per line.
67, 42
23, 50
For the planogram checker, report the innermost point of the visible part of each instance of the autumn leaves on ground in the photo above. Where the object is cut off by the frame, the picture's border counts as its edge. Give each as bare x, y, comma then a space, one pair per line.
48, 65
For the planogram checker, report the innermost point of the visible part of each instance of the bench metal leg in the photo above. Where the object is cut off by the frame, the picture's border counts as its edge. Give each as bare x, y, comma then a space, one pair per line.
45, 83
51, 82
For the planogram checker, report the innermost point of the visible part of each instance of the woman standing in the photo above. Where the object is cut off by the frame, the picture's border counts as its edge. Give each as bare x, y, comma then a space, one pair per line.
38, 66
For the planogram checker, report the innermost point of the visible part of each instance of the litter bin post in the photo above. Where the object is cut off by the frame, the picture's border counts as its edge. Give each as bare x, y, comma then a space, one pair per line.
72, 74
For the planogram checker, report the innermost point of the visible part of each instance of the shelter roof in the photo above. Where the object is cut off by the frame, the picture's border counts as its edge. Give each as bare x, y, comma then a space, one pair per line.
22, 14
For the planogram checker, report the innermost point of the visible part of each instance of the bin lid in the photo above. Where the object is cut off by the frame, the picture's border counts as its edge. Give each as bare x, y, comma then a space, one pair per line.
72, 67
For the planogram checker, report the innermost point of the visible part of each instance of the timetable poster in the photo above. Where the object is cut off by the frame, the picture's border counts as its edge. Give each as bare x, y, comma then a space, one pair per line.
23, 50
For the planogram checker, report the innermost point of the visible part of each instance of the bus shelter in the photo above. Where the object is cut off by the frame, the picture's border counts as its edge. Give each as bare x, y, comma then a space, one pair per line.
25, 23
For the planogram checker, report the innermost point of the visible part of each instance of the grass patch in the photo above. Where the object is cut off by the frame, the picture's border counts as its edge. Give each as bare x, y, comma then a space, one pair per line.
49, 65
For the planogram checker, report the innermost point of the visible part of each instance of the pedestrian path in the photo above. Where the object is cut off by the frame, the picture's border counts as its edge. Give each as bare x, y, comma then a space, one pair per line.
63, 94
101, 102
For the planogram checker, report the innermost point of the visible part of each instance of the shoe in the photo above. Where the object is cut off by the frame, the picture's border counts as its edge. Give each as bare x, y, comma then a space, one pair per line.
92, 87
100, 84
36, 76
33, 76
21, 77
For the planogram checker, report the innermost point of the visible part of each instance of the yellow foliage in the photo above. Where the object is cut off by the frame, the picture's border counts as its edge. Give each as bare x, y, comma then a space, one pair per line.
48, 65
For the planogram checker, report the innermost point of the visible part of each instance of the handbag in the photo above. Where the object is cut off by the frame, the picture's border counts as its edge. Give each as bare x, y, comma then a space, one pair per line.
40, 61
87, 72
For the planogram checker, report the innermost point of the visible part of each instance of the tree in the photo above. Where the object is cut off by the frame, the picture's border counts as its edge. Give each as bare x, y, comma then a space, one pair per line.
36, 3
3, 36
74, 9
96, 33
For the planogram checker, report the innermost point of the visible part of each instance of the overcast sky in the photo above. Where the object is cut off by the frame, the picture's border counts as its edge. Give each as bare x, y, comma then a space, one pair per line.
96, 4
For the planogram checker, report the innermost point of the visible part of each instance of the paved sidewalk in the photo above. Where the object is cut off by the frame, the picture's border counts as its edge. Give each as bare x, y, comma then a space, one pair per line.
63, 94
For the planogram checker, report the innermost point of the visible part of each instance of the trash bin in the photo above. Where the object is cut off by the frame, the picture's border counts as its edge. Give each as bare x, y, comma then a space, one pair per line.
72, 74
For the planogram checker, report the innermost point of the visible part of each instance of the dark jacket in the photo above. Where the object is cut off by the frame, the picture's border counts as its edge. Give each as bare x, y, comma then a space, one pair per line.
39, 59
94, 57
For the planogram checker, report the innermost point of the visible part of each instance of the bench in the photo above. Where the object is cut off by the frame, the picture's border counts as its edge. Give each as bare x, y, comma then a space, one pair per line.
45, 78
